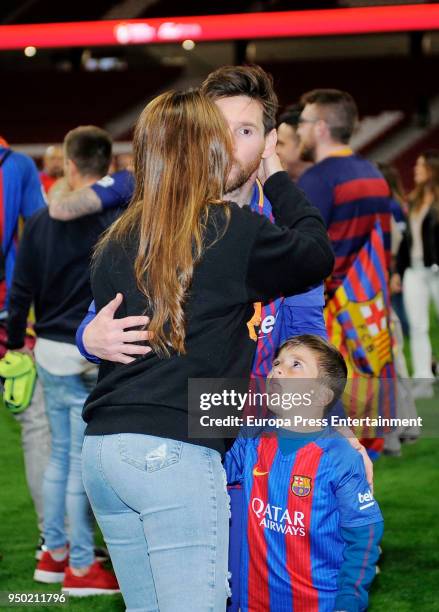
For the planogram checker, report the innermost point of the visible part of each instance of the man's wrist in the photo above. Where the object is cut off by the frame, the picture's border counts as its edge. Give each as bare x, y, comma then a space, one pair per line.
81, 346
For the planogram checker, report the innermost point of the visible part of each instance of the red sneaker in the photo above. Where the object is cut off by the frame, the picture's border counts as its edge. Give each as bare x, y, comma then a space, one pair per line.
98, 581
50, 571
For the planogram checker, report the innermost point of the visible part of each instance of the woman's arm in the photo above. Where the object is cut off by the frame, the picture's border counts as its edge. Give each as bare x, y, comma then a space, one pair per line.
293, 254
356, 444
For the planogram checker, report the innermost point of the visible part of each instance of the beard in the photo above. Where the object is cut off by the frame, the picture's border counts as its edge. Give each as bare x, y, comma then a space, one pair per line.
307, 152
241, 173
56, 173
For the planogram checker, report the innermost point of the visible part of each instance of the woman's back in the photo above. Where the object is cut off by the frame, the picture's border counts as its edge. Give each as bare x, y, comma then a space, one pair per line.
251, 260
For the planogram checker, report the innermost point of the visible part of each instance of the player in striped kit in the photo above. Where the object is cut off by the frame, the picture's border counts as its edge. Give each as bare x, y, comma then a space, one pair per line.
311, 531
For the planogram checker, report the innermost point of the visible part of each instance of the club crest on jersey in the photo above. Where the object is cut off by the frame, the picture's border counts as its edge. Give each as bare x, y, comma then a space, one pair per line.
301, 486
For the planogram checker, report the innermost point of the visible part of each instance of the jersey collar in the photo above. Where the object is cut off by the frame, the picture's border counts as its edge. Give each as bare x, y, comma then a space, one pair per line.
345, 152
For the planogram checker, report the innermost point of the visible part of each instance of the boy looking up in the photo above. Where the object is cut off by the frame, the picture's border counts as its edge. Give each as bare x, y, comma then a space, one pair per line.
311, 532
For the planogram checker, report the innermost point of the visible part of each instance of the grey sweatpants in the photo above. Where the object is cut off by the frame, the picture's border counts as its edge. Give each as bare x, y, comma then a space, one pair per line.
35, 439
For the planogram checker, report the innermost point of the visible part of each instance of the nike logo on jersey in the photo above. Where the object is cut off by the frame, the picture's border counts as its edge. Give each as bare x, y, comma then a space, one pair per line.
256, 472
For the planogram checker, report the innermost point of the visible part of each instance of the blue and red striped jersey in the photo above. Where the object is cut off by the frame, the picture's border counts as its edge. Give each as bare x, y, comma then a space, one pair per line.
351, 194
297, 504
280, 318
21, 196
115, 189
284, 317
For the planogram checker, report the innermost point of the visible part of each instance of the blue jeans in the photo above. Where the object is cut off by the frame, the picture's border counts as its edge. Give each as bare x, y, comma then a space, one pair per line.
63, 489
163, 509
397, 300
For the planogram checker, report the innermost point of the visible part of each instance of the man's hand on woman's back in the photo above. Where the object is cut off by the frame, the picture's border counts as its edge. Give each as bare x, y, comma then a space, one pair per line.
113, 339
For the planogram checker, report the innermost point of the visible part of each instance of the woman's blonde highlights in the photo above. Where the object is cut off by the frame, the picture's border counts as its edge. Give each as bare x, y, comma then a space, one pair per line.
183, 152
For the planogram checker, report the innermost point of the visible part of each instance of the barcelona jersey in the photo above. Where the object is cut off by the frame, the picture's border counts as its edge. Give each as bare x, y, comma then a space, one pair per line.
351, 194
284, 317
115, 190
297, 502
278, 320
20, 197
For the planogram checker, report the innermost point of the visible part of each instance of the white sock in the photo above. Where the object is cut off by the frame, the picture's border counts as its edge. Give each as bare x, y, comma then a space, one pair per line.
59, 556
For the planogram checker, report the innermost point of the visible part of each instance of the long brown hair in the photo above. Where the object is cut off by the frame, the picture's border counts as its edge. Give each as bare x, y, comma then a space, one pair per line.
394, 181
416, 197
182, 157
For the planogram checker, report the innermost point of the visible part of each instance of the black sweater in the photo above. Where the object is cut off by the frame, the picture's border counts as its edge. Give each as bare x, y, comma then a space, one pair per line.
253, 261
430, 243
52, 271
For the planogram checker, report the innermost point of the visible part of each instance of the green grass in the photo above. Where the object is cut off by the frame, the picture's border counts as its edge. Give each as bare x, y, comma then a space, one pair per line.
408, 493
407, 489
19, 533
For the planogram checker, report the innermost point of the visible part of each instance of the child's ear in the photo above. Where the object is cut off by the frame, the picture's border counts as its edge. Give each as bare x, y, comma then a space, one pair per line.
325, 395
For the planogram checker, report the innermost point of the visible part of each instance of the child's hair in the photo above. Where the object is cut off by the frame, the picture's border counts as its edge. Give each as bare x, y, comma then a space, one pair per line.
332, 367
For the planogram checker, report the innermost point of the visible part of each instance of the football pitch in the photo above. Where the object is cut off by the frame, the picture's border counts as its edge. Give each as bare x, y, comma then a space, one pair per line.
407, 489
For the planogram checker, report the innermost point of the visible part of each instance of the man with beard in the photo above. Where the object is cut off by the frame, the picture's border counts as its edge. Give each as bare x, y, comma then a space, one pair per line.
352, 196
247, 99
349, 191
288, 142
53, 168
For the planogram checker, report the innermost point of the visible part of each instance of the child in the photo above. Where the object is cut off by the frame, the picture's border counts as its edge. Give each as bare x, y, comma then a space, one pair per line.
311, 531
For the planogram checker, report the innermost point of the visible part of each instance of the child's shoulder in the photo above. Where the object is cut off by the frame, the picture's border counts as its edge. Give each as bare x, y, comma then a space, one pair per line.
338, 448
244, 444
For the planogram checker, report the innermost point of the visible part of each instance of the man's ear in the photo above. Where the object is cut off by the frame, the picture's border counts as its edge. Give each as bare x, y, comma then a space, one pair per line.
69, 166
322, 131
70, 171
270, 144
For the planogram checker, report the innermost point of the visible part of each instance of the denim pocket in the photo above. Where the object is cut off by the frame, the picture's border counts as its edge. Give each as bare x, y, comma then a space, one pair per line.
149, 453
